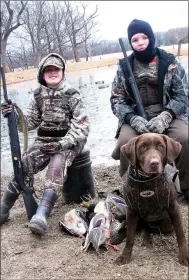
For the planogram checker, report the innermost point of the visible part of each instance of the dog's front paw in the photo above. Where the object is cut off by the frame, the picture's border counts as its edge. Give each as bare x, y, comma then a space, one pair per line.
123, 259
183, 258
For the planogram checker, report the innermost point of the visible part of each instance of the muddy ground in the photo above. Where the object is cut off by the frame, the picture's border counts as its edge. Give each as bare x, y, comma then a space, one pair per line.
58, 255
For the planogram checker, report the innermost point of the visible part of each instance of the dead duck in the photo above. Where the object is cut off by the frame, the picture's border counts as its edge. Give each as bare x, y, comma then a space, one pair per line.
74, 222
99, 227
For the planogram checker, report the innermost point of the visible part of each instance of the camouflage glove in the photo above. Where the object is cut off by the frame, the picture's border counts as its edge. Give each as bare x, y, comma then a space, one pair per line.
160, 123
139, 124
6, 108
51, 148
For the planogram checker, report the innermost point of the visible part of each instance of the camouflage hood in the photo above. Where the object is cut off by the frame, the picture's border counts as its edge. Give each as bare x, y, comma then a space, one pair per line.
52, 59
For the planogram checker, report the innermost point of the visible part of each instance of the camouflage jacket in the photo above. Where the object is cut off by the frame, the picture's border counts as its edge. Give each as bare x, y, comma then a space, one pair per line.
58, 109
173, 88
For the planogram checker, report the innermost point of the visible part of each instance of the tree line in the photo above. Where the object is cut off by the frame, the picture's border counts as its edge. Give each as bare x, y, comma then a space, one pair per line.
32, 29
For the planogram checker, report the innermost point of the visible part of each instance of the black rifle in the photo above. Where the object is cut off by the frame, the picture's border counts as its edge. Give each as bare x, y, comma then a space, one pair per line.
29, 201
133, 83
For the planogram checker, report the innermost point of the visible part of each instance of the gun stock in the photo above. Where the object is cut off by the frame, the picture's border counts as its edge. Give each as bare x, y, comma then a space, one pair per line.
133, 83
29, 201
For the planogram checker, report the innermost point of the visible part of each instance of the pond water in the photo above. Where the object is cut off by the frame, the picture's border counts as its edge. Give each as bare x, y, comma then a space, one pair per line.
103, 123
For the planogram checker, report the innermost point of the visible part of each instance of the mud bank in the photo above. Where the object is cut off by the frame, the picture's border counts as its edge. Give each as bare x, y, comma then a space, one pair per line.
59, 256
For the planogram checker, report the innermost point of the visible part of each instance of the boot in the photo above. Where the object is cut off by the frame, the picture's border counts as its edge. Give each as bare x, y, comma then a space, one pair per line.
38, 223
8, 199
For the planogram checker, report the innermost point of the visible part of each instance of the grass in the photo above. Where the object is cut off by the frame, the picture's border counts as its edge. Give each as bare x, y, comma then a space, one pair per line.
31, 74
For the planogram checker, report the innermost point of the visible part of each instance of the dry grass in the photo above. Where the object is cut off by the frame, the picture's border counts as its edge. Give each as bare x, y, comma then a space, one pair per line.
21, 76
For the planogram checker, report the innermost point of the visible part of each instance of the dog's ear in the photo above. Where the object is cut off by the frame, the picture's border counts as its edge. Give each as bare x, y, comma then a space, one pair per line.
173, 149
129, 150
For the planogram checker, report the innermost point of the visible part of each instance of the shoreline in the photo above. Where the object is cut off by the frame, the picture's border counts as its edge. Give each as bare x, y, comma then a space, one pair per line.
25, 75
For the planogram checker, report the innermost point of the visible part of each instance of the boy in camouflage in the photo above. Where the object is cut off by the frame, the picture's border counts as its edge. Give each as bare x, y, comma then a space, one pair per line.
58, 113
162, 84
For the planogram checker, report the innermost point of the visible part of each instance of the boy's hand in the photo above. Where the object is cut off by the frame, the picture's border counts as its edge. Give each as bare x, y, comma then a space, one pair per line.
139, 124
51, 148
6, 109
160, 123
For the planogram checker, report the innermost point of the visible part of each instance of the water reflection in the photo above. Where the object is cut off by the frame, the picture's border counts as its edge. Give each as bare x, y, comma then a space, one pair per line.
103, 123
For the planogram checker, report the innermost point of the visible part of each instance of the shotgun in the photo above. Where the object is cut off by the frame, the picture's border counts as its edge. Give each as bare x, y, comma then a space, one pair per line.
133, 83
27, 192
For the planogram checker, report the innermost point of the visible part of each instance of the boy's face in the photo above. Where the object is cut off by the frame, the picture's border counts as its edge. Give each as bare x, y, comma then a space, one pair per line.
52, 75
139, 42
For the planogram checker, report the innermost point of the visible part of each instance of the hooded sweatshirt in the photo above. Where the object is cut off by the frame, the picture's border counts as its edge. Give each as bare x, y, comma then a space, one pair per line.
58, 110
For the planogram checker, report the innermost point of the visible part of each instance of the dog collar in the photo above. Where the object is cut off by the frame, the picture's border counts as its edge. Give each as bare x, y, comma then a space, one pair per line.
137, 174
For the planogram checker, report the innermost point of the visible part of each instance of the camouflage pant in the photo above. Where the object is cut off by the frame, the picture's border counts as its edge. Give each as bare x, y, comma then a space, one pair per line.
34, 161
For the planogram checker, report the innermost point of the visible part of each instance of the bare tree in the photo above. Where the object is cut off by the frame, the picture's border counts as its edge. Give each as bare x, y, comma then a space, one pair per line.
178, 36
11, 12
61, 39
159, 38
10, 61
76, 21
182, 37
94, 44
88, 29
49, 36
23, 57
18, 59
35, 26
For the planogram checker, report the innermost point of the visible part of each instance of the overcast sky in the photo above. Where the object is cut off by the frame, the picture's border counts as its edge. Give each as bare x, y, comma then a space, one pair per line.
114, 16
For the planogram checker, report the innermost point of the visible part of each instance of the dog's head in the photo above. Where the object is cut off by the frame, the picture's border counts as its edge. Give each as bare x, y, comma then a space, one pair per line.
150, 152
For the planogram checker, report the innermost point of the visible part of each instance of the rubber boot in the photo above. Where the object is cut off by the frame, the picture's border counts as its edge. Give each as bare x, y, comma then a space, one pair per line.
8, 199
38, 223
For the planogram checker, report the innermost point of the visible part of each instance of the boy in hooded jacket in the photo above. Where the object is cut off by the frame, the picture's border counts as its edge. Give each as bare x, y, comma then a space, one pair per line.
58, 113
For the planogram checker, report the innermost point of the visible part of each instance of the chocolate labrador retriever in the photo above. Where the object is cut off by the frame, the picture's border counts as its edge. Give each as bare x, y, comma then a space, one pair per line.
150, 192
